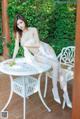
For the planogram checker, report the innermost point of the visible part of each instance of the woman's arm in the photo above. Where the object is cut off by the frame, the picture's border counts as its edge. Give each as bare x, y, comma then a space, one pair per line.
16, 48
36, 44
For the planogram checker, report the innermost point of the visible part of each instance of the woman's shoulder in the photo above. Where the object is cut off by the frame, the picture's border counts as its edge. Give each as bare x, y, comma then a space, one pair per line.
32, 28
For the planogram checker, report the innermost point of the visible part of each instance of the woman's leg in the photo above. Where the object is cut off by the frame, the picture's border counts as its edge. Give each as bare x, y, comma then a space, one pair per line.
63, 84
48, 56
55, 76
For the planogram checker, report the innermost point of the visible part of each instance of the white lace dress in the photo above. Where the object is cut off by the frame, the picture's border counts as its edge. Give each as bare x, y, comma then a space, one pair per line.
44, 53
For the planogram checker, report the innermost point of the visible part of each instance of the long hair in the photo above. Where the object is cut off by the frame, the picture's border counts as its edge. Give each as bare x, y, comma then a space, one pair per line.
16, 29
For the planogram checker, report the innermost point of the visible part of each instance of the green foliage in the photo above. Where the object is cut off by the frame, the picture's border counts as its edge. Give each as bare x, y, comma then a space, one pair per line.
0, 19
55, 22
1, 44
64, 32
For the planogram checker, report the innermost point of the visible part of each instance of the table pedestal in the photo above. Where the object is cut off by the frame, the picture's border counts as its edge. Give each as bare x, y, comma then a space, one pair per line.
25, 86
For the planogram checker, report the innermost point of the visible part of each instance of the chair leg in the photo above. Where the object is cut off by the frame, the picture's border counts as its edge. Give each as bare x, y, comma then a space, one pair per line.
46, 83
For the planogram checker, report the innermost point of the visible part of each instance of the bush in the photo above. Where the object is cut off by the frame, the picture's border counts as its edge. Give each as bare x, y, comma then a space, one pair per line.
64, 31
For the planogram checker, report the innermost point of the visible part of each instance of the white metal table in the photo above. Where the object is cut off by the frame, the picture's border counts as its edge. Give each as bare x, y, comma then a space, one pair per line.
24, 84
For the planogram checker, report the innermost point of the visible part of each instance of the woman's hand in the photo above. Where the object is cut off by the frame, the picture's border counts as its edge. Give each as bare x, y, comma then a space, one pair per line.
11, 63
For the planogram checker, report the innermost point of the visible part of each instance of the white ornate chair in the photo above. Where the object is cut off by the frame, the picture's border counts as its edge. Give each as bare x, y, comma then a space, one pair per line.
66, 60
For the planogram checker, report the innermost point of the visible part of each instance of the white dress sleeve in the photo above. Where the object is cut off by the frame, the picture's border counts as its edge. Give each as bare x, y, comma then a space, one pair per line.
16, 48
35, 35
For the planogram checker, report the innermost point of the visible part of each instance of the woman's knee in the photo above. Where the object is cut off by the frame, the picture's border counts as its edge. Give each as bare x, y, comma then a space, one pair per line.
55, 65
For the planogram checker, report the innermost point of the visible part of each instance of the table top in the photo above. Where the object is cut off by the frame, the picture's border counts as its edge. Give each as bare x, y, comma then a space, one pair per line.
21, 68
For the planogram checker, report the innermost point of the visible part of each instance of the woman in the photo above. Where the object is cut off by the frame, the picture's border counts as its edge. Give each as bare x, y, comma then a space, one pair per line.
34, 49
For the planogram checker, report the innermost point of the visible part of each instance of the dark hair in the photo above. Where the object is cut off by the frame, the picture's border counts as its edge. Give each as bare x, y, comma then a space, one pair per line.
16, 29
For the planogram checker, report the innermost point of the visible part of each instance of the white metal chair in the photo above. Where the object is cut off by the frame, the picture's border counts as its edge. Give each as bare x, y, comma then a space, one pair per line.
66, 60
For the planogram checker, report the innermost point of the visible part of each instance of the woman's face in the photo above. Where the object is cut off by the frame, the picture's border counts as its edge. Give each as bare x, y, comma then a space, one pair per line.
21, 24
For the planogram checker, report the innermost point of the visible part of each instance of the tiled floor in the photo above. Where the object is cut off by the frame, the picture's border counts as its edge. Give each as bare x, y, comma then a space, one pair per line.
35, 109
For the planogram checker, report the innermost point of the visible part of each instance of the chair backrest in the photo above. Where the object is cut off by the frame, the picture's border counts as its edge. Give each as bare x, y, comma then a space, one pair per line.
66, 57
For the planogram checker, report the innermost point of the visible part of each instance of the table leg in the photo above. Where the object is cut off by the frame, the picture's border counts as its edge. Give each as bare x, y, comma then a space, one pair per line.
24, 108
46, 83
24, 101
10, 97
40, 95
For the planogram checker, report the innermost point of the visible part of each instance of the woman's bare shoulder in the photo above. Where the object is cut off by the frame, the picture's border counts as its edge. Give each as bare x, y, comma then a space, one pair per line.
32, 28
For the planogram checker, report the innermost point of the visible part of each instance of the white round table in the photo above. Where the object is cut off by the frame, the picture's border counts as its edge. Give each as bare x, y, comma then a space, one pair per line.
24, 84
